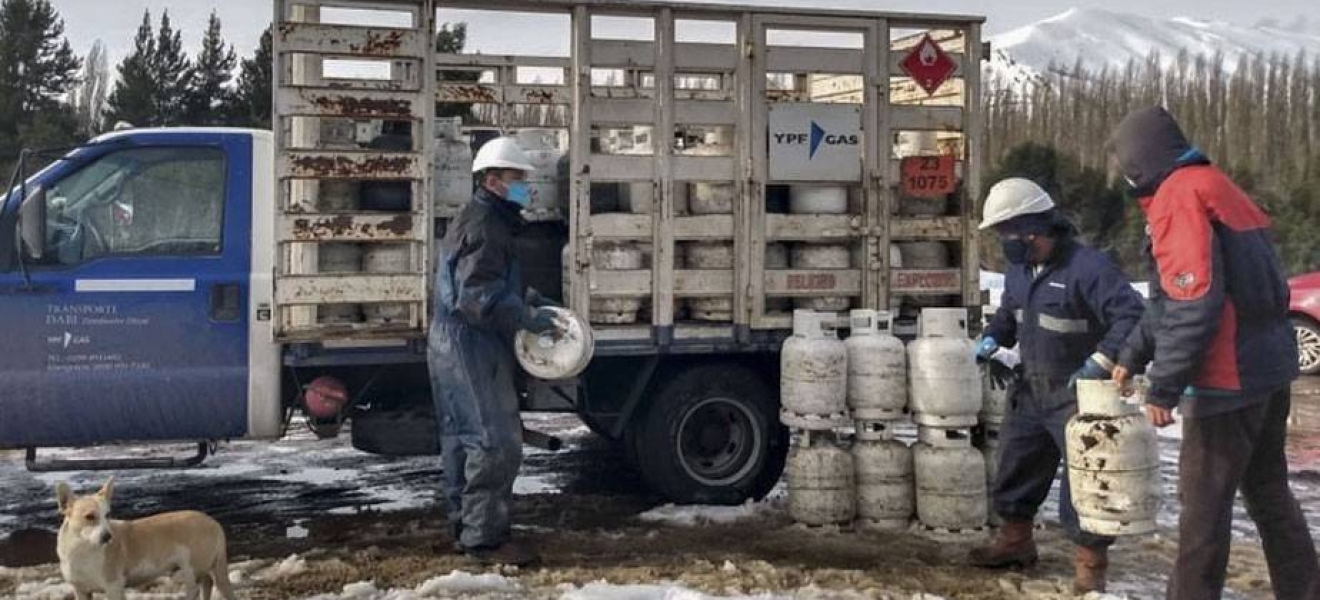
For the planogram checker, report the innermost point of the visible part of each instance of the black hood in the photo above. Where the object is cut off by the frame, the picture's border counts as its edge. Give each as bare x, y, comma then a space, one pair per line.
510, 212
1149, 145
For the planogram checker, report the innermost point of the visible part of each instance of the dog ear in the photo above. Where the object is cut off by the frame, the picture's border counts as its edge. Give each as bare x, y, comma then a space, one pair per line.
107, 490
63, 497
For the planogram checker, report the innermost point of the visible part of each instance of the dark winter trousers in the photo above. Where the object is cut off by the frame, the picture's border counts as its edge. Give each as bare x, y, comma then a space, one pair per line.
472, 382
1221, 454
1032, 446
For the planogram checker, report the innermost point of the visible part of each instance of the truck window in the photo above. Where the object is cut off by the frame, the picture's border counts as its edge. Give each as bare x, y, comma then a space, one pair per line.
144, 201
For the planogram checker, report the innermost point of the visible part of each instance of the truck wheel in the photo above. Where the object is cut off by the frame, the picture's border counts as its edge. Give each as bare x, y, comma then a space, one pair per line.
711, 436
1308, 345
404, 431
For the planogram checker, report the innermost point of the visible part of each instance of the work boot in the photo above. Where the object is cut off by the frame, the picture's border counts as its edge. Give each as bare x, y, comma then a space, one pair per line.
508, 553
1012, 547
1091, 565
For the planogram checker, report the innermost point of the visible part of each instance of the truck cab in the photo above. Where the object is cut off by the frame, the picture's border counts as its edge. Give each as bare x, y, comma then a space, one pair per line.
133, 282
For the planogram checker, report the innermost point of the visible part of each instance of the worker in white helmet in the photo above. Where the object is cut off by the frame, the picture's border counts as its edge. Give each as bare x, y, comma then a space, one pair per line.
1068, 308
480, 304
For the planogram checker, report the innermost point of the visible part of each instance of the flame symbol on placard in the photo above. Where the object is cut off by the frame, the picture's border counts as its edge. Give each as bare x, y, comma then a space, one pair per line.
928, 55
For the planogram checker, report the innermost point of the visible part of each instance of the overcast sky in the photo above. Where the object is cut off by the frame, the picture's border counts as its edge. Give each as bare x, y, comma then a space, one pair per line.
115, 21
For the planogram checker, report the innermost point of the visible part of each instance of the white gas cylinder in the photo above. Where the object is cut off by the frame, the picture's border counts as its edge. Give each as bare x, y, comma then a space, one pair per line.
886, 498
386, 258
822, 257
818, 199
945, 380
950, 476
1113, 461
813, 380
821, 488
877, 367
452, 182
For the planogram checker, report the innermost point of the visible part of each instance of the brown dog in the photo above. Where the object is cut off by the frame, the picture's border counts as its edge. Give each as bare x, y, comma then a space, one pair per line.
100, 554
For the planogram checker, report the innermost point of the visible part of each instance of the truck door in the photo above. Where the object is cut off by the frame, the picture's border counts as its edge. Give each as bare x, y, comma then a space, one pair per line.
133, 324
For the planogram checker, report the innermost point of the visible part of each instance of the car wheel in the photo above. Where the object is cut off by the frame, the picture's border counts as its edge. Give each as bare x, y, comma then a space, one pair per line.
1308, 345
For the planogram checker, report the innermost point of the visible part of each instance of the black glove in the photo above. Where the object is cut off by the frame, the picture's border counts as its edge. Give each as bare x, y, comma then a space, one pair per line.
534, 299
1001, 376
538, 321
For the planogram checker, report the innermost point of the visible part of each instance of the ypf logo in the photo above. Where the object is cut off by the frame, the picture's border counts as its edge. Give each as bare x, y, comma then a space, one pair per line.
816, 137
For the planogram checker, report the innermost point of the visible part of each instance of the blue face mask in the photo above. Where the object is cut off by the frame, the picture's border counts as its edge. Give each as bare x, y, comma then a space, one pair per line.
518, 192
1017, 251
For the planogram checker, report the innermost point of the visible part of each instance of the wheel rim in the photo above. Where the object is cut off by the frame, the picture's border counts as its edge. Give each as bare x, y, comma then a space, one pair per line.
718, 441
1308, 347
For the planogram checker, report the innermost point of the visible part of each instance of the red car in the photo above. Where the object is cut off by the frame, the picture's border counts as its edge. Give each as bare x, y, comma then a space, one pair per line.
1305, 309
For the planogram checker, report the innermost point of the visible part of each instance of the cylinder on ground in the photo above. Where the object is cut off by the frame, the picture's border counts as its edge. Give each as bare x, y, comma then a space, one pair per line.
386, 258
886, 498
822, 257
946, 383
877, 367
821, 488
950, 477
1113, 462
813, 367
710, 256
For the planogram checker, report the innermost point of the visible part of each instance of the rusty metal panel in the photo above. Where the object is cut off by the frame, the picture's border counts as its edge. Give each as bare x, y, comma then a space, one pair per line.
350, 227
811, 283
621, 226
812, 227
349, 288
927, 118
925, 281
350, 40
477, 93
349, 165
496, 61
331, 102
704, 227
926, 228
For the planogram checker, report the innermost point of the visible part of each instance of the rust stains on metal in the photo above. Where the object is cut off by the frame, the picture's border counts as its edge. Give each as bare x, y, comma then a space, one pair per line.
380, 43
469, 93
535, 96
348, 227
345, 167
351, 106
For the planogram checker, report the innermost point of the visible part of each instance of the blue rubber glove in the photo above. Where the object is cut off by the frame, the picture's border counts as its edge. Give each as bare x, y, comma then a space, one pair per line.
986, 349
538, 321
1090, 370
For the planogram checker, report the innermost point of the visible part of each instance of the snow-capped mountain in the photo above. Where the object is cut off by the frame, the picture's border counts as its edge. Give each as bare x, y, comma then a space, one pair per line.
1101, 37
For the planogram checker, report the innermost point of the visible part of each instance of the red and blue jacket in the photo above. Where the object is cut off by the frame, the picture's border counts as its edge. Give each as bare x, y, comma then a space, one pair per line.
1217, 334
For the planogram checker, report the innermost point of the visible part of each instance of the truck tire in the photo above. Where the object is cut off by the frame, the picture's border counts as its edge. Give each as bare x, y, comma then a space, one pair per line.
711, 435
404, 431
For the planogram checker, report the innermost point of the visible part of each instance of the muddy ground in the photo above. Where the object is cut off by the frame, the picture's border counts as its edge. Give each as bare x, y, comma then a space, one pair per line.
352, 517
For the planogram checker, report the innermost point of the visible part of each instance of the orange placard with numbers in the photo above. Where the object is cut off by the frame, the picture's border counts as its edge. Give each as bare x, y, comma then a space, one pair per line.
928, 176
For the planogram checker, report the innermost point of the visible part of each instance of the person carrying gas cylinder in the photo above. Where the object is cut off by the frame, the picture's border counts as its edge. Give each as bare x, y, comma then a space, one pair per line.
1068, 309
480, 304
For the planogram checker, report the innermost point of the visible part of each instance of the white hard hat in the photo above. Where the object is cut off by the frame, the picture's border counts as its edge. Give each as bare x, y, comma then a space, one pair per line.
1012, 198
501, 153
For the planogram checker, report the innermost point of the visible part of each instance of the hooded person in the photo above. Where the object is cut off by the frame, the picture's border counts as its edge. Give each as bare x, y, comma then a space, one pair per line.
1068, 309
480, 304
1221, 349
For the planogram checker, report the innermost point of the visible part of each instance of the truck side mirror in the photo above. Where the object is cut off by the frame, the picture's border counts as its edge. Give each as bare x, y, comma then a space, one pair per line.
32, 223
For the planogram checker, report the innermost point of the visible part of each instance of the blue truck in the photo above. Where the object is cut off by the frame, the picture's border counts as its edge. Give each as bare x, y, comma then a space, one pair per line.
204, 284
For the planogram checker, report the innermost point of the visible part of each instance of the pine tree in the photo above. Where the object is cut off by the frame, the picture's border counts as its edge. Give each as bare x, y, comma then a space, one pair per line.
209, 93
173, 73
37, 68
250, 103
133, 99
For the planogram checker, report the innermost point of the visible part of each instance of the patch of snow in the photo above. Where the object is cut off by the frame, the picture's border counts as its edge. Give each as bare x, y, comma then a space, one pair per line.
602, 590
49, 589
293, 565
296, 531
535, 484
459, 582
691, 516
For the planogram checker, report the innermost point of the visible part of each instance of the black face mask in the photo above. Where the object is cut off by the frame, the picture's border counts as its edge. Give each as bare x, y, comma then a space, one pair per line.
1017, 251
